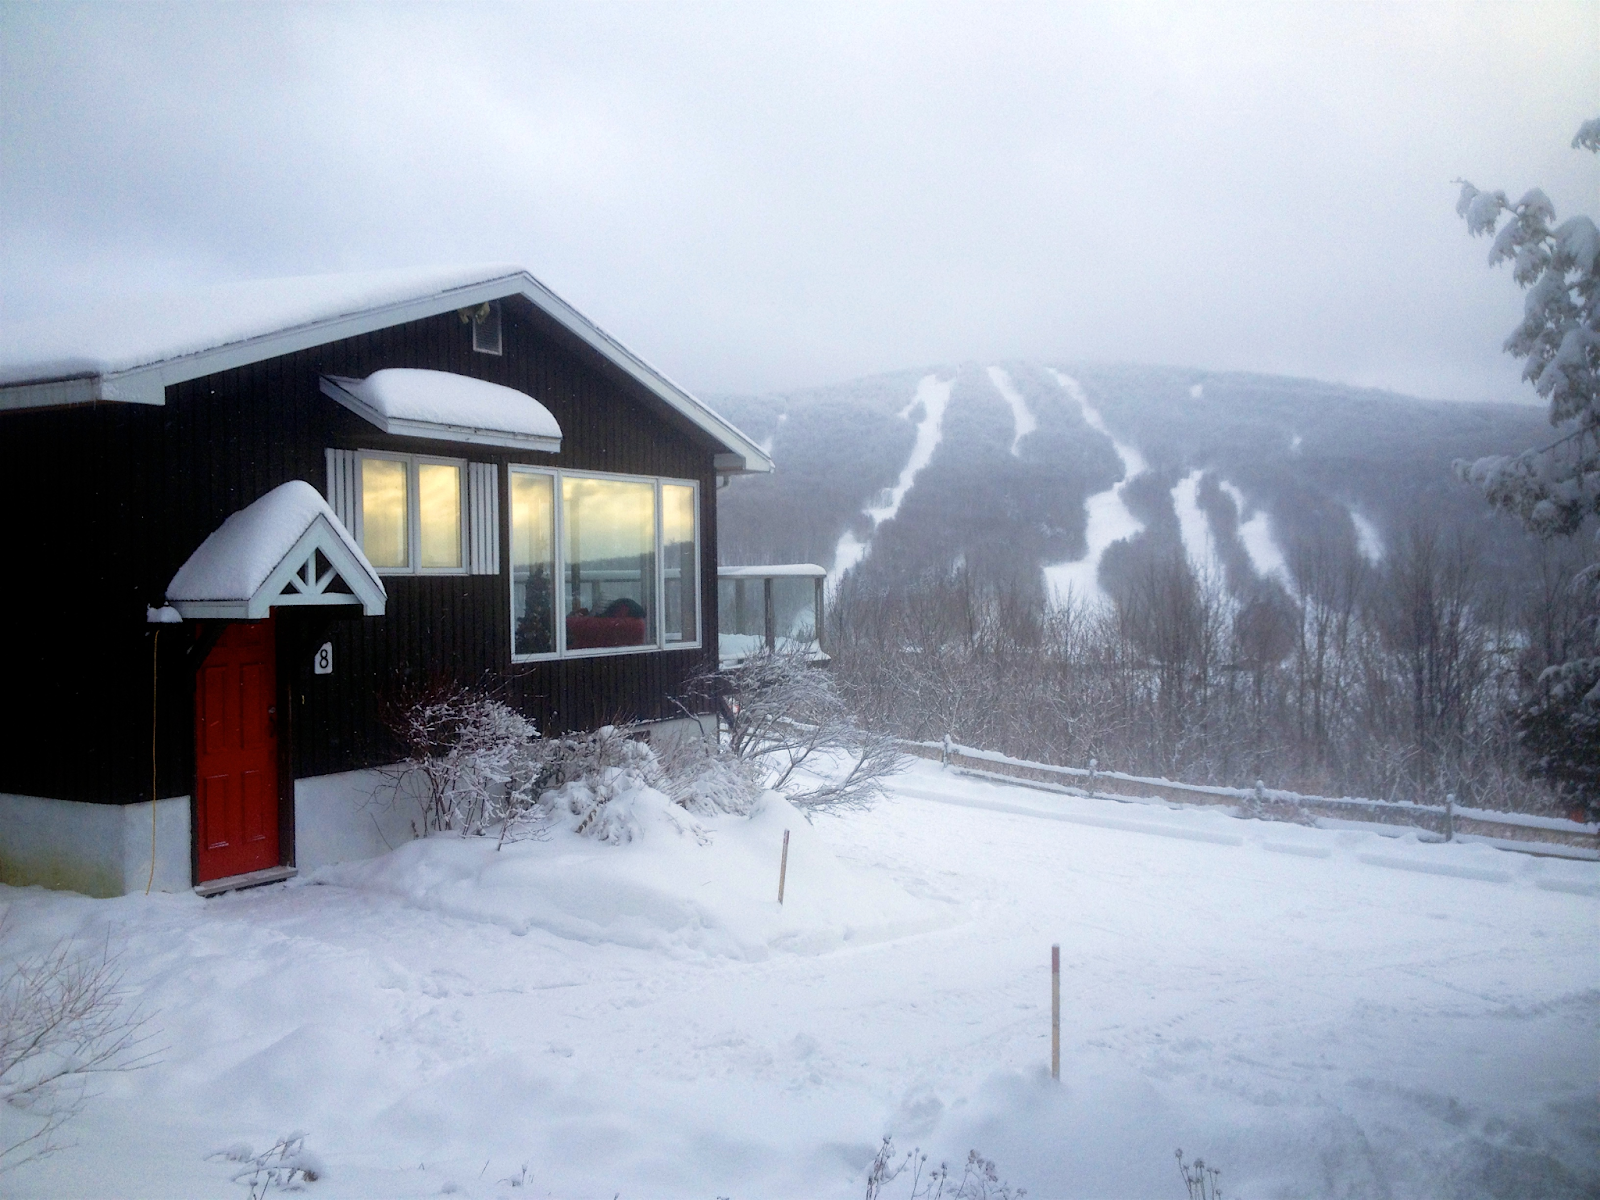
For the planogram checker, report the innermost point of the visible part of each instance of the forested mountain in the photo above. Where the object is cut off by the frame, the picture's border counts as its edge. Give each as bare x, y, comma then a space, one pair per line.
1240, 472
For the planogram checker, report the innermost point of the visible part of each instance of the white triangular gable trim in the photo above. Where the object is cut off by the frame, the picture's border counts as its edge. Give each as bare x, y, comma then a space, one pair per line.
296, 582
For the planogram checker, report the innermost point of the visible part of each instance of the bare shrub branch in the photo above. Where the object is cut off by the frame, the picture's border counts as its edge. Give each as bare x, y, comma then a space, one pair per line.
785, 713
62, 1021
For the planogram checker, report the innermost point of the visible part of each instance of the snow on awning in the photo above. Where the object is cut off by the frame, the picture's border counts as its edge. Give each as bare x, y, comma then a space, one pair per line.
287, 548
447, 407
779, 570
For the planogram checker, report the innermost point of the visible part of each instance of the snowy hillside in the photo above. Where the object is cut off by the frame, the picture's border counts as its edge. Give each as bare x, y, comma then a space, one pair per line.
1070, 478
1320, 1013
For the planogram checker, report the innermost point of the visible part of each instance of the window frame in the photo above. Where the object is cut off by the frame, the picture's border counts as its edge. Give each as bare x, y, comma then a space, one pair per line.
558, 566
414, 510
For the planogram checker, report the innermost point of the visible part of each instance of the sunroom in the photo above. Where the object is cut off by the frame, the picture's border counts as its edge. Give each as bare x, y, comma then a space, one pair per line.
776, 608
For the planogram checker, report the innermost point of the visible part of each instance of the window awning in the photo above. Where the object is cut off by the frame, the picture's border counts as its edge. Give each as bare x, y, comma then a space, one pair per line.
447, 407
286, 549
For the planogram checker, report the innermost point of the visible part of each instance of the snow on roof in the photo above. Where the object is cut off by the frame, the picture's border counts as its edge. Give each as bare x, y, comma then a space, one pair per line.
113, 335
130, 349
443, 405
236, 560
810, 569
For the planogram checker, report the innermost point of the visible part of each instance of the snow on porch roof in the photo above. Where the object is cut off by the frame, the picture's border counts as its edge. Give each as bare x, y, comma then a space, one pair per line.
130, 350
287, 548
456, 408
772, 572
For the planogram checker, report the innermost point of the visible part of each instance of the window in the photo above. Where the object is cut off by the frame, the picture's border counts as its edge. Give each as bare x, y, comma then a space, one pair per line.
533, 563
411, 510
609, 555
602, 563
680, 569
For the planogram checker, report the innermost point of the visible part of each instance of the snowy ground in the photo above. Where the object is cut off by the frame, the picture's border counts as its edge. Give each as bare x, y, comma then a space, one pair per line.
1322, 1013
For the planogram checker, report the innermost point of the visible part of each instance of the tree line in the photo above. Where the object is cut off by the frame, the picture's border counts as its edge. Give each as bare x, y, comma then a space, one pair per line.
1399, 680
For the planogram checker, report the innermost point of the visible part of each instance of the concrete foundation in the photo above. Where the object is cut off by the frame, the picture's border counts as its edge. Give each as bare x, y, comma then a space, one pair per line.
96, 849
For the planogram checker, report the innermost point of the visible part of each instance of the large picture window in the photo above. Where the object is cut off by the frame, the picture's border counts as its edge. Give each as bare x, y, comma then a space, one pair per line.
411, 510
602, 563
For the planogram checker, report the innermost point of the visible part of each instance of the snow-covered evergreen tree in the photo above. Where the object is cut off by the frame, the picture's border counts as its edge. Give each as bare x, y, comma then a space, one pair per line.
1554, 489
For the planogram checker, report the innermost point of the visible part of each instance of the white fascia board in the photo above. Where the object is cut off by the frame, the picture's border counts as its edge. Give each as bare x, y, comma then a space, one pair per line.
56, 393
212, 610
148, 384
435, 431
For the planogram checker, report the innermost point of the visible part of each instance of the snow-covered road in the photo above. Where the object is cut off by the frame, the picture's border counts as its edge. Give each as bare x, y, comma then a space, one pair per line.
1322, 1013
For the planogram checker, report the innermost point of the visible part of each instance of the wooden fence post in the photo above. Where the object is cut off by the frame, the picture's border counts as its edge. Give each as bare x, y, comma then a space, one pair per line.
783, 866
1055, 1011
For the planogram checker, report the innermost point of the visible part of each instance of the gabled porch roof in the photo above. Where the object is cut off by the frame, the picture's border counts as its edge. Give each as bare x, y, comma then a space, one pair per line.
286, 549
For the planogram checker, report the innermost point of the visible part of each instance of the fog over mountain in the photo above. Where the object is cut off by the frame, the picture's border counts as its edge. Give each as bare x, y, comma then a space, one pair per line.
1066, 478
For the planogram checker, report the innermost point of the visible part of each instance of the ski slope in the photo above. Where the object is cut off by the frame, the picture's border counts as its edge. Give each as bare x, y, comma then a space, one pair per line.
1321, 1013
932, 397
1108, 519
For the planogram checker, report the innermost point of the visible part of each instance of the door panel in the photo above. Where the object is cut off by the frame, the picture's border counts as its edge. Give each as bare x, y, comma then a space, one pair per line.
236, 753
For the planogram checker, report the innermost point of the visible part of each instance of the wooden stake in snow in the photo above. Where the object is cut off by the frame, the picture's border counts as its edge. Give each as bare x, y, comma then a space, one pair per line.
1055, 1012
783, 865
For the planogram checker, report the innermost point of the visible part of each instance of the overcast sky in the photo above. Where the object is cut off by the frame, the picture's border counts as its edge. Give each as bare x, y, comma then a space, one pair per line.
759, 197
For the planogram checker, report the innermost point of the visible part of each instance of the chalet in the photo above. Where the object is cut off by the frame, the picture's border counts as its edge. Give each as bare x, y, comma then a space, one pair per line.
247, 516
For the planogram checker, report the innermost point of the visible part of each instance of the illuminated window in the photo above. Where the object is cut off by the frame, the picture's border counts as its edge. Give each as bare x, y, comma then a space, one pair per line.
411, 510
617, 558
533, 563
680, 569
385, 513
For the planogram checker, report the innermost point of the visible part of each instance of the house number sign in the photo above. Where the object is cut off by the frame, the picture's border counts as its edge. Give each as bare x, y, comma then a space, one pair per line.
322, 664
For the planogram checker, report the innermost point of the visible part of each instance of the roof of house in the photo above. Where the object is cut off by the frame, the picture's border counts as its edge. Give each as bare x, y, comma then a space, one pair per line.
130, 350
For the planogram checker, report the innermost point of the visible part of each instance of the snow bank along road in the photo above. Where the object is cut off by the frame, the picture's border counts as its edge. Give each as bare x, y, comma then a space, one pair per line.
1322, 1013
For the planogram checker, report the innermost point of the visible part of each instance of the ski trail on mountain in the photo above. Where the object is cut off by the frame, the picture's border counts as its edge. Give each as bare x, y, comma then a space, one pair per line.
1368, 540
934, 397
1022, 419
1194, 527
1109, 520
766, 446
1259, 544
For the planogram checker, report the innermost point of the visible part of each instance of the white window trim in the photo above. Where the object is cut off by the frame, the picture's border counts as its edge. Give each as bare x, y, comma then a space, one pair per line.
414, 511
559, 599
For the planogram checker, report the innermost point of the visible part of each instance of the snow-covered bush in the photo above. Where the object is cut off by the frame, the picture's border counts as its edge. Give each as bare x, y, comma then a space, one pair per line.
478, 761
785, 714
706, 777
62, 1021
601, 777
479, 768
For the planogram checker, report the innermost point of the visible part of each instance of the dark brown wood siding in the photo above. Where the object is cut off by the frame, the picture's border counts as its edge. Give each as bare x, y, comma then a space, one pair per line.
115, 497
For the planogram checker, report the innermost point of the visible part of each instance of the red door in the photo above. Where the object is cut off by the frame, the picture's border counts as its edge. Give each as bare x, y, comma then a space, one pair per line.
236, 753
